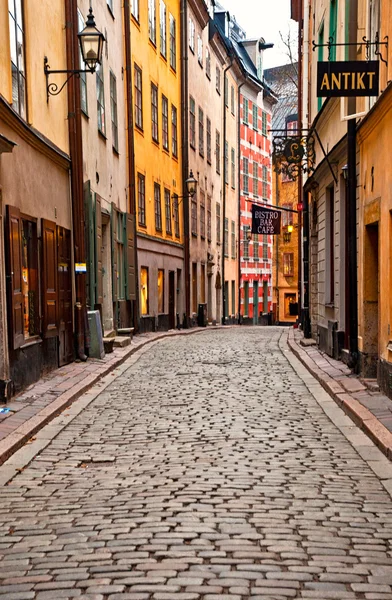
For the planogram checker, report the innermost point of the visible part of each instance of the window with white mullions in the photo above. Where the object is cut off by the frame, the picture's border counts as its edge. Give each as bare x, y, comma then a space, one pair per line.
154, 113
163, 48
168, 217
165, 123
113, 110
100, 100
173, 49
158, 207
138, 98
17, 47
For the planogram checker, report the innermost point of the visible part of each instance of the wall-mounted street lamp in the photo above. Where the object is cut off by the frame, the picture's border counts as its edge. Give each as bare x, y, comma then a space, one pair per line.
345, 172
91, 46
191, 187
248, 233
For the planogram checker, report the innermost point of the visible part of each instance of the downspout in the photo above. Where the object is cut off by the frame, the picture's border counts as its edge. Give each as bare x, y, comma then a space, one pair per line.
277, 250
76, 155
224, 187
239, 196
306, 234
185, 155
300, 178
131, 153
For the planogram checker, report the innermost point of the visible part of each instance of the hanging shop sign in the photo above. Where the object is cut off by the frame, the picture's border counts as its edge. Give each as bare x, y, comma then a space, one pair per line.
348, 78
265, 221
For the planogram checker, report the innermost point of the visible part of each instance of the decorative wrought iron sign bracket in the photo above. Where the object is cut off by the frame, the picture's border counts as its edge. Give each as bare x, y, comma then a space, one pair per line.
365, 42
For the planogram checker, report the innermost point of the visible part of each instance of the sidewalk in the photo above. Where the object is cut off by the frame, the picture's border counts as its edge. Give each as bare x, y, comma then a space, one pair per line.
48, 397
370, 410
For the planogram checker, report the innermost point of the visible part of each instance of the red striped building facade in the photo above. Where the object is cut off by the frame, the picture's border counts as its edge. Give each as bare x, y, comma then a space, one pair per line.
255, 187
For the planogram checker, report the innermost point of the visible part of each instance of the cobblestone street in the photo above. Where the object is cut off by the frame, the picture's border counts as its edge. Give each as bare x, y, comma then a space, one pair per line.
211, 466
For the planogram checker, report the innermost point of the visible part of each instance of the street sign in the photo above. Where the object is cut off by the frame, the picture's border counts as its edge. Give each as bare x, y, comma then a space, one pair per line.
348, 78
265, 221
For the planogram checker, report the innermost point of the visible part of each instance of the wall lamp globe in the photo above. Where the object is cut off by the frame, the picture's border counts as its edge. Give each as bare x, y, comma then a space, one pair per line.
345, 172
191, 184
249, 234
91, 47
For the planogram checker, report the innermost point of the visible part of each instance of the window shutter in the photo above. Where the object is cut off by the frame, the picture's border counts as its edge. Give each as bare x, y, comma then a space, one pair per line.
98, 250
14, 277
113, 223
130, 258
49, 279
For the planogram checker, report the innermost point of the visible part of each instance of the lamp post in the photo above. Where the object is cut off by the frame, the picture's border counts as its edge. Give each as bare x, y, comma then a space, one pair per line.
91, 47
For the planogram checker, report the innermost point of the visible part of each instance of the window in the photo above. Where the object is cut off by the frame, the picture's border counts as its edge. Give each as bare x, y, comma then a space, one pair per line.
144, 290
135, 9
232, 100
255, 116
141, 199
152, 31
226, 162
233, 252
255, 178
162, 30
217, 151
192, 122
245, 175
83, 76
100, 100
194, 287
165, 123
264, 123
330, 246
209, 228
226, 92
113, 110
168, 219
246, 242
245, 111
30, 278
288, 264
202, 283
208, 140
218, 80
174, 131
161, 288
200, 50
138, 98
265, 247
202, 215
287, 217
201, 132
17, 47
233, 168
218, 223
192, 35
255, 247
120, 258
246, 298
264, 171
290, 305
208, 63
176, 216
233, 297
158, 207
194, 216
173, 42
154, 112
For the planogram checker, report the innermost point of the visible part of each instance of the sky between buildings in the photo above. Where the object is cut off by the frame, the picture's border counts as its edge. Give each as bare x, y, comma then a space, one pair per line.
265, 18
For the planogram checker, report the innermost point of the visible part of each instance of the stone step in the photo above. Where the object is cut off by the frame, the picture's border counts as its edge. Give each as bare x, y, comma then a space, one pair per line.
127, 331
121, 341
371, 384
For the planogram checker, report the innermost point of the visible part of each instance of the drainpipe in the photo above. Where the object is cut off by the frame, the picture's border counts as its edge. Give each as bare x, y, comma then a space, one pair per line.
131, 153
352, 205
300, 190
185, 155
277, 247
239, 195
306, 230
224, 188
76, 154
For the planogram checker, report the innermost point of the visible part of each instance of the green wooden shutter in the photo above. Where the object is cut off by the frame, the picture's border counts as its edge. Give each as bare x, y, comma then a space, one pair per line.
90, 235
98, 250
130, 280
113, 228
49, 280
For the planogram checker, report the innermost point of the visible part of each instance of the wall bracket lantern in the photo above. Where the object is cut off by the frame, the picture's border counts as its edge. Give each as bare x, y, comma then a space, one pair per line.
365, 42
293, 152
191, 187
91, 47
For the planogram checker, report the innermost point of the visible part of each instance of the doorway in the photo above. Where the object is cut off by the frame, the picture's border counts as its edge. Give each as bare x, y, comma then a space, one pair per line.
255, 302
172, 300
370, 301
65, 296
107, 307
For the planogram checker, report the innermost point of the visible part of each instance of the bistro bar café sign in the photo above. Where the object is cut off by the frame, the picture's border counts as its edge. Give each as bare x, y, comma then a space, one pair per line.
265, 221
348, 78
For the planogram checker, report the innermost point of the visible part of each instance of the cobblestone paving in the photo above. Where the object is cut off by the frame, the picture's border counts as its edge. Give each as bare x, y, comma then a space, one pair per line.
206, 471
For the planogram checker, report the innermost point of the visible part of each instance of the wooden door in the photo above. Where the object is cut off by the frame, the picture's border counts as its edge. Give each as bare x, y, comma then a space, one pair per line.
65, 295
255, 302
172, 300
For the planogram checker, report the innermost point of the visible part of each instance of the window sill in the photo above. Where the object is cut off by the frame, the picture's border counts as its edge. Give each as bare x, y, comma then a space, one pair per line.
166, 150
193, 147
85, 114
139, 129
201, 155
33, 341
329, 305
111, 11
163, 57
173, 70
116, 152
194, 234
142, 225
200, 64
152, 44
135, 20
155, 142
102, 136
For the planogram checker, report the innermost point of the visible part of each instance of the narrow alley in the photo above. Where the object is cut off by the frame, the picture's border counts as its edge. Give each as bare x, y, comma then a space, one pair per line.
213, 467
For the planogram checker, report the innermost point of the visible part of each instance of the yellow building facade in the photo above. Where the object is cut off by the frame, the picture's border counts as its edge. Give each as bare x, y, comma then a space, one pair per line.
156, 72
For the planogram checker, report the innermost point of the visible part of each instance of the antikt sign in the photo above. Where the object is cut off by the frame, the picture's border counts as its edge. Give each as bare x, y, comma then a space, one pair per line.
350, 78
265, 221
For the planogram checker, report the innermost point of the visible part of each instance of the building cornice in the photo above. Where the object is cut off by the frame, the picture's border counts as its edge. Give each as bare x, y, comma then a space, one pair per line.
31, 136
200, 10
375, 115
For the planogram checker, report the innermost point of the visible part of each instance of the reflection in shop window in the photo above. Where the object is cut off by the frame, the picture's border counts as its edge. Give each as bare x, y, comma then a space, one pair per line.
290, 305
30, 278
161, 295
144, 290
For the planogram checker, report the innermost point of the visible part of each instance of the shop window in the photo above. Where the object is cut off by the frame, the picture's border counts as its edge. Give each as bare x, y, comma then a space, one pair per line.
161, 291
290, 305
30, 278
144, 290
